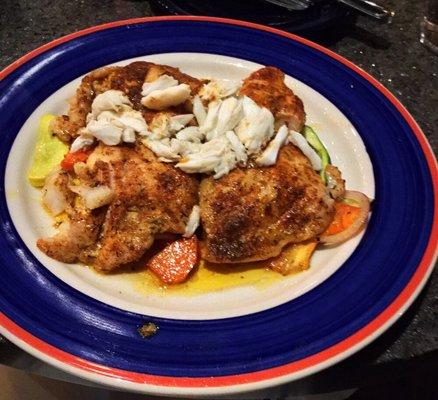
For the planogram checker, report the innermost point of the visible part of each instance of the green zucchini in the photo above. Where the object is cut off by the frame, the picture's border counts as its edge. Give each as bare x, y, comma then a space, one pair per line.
314, 141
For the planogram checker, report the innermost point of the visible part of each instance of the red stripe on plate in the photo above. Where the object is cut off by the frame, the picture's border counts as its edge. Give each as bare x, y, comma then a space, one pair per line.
402, 300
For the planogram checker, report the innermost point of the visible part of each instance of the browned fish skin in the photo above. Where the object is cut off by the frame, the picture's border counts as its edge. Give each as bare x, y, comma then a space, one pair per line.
80, 233
248, 215
151, 198
98, 81
267, 88
251, 214
129, 79
337, 184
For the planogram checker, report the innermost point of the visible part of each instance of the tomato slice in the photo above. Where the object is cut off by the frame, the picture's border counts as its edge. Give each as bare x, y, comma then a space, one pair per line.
70, 159
175, 262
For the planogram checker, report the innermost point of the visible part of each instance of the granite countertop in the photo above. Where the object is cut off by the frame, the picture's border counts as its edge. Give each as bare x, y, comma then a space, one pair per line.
391, 53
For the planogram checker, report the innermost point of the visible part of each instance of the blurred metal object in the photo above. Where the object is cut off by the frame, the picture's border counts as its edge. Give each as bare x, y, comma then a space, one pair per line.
293, 5
364, 6
370, 8
429, 27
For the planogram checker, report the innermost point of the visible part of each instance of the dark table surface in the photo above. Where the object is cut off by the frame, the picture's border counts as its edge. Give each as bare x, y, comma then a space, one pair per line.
391, 53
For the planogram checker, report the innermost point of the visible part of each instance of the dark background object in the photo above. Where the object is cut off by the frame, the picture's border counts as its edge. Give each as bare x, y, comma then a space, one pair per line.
324, 14
432, 11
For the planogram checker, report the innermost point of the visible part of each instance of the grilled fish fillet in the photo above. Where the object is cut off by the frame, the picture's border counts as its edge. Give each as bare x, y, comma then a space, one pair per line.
150, 198
75, 237
267, 88
251, 214
78, 232
129, 79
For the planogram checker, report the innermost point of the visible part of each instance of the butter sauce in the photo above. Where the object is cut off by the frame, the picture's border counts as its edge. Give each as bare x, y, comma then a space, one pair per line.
207, 278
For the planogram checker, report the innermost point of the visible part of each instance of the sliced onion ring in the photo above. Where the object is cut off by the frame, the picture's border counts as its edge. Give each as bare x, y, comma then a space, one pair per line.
359, 223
